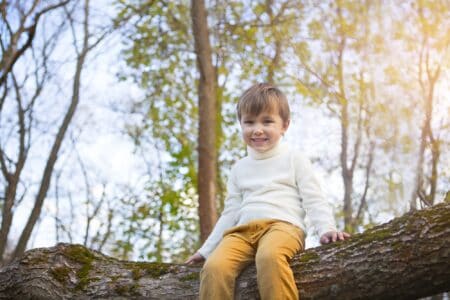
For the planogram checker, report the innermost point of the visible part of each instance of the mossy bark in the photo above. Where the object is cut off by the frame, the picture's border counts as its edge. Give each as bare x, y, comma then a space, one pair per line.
406, 258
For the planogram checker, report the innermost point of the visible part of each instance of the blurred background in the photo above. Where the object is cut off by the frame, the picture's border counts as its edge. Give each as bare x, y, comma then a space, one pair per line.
104, 118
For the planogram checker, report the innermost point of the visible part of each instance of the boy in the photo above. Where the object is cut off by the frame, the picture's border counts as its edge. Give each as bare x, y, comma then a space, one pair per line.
269, 193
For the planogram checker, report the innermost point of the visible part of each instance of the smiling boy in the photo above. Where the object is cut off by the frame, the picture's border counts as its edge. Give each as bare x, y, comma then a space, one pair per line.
270, 192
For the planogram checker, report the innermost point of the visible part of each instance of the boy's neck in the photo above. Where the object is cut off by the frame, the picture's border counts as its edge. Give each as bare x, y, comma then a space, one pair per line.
266, 154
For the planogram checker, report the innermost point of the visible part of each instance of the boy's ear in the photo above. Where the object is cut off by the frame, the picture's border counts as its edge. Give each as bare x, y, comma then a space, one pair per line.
286, 124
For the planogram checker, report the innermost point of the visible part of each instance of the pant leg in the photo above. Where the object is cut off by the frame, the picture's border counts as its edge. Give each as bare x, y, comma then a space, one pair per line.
219, 273
275, 250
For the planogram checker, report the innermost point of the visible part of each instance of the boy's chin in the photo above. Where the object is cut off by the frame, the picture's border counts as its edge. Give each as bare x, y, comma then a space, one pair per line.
261, 148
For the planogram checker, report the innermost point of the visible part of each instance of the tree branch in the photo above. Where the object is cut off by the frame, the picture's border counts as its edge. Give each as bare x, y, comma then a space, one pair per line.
30, 30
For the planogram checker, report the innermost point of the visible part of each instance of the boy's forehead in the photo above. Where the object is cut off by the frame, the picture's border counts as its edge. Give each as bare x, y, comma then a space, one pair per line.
259, 107
265, 113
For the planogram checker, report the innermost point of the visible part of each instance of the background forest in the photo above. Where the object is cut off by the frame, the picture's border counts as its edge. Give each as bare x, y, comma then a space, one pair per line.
117, 122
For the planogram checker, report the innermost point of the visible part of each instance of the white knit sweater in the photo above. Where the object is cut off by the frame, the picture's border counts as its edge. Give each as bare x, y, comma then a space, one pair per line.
277, 184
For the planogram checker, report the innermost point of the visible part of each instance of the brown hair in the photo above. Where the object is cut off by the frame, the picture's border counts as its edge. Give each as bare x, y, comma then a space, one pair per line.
263, 97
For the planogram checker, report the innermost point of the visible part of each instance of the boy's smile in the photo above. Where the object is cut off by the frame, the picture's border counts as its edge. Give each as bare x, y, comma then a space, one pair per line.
263, 131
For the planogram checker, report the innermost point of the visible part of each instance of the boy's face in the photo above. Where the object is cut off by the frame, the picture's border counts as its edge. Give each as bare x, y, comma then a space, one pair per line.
263, 131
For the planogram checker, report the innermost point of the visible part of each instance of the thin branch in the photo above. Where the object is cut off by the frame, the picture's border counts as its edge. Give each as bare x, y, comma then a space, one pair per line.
368, 172
108, 230
22, 151
31, 31
357, 144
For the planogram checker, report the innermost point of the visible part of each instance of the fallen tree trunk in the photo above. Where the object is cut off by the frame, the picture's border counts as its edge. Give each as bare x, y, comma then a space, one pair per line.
406, 258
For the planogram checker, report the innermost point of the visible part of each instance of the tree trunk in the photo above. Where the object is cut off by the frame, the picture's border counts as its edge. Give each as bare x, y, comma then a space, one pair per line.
207, 148
406, 258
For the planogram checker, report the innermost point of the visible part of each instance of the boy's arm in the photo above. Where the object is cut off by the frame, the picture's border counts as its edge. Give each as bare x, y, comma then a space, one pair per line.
316, 206
227, 219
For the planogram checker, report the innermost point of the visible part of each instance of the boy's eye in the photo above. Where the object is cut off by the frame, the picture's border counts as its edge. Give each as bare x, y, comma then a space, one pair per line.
248, 122
268, 121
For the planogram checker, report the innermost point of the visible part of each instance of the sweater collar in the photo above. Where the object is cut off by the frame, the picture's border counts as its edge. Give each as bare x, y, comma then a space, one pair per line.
277, 149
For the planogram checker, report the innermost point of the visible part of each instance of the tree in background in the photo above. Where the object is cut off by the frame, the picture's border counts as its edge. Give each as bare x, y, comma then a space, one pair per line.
430, 44
19, 25
334, 74
207, 111
412, 87
26, 72
160, 59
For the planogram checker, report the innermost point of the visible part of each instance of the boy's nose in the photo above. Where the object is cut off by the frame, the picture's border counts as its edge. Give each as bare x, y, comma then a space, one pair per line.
258, 131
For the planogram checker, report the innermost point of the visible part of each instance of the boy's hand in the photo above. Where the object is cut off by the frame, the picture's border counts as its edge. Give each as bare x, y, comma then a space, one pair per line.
333, 236
195, 259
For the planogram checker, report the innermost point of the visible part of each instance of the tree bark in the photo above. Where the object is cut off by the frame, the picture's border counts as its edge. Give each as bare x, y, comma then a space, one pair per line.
406, 258
207, 148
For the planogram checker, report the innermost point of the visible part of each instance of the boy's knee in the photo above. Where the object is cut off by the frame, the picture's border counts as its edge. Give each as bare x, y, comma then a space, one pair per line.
268, 258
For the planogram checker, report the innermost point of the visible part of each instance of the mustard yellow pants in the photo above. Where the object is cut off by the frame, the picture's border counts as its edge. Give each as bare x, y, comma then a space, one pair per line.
270, 244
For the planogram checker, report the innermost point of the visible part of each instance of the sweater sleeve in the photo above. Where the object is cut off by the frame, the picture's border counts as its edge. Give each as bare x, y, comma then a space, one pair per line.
227, 219
316, 206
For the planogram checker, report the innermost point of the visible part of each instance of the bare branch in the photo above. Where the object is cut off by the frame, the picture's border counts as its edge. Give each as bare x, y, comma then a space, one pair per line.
108, 232
368, 172
6, 66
